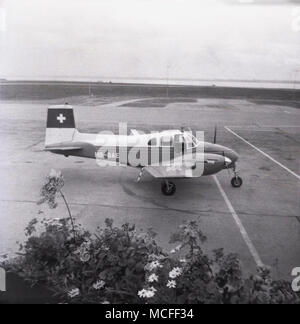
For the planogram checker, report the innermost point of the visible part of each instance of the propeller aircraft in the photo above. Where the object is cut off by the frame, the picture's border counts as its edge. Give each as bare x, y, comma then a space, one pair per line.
167, 155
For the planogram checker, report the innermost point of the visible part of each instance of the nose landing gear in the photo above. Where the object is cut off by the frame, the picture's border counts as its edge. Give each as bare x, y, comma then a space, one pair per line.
139, 178
236, 181
168, 188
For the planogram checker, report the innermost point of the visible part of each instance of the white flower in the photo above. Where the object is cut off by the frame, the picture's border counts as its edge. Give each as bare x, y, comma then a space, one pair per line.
105, 247
73, 293
176, 272
183, 260
147, 293
153, 266
3, 258
177, 249
53, 222
151, 292
85, 257
153, 278
142, 293
99, 285
171, 284
83, 252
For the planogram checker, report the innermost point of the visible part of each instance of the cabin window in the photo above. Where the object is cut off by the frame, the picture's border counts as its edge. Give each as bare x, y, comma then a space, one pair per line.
152, 142
190, 141
167, 141
179, 139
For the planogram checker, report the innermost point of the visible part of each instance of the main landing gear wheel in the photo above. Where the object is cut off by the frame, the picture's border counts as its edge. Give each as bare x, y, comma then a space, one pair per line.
168, 188
236, 182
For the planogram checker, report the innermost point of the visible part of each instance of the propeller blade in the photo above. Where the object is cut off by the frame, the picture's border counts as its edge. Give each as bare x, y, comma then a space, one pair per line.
215, 135
186, 129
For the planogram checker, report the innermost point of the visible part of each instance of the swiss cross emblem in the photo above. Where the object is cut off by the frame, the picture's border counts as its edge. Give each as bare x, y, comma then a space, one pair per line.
61, 118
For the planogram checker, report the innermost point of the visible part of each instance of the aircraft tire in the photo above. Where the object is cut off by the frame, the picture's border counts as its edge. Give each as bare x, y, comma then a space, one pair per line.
236, 182
168, 189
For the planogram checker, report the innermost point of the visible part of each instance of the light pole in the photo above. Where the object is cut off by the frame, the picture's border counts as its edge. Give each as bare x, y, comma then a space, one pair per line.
90, 90
295, 77
295, 82
168, 70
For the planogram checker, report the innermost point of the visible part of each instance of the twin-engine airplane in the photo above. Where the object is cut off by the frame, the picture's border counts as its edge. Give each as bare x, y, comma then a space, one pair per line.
166, 155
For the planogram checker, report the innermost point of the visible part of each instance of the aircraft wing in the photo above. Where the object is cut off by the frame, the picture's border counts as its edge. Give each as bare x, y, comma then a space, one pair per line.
170, 172
174, 170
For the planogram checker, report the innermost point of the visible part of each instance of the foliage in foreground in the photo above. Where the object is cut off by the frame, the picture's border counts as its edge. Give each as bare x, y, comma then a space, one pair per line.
122, 265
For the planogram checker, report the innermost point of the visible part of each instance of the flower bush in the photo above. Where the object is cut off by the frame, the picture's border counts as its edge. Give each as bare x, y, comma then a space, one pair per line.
122, 265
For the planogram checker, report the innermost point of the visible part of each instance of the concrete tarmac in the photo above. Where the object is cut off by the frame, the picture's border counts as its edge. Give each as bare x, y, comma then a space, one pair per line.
267, 206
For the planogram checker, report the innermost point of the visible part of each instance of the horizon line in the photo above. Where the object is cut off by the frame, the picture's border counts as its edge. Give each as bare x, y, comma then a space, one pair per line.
108, 78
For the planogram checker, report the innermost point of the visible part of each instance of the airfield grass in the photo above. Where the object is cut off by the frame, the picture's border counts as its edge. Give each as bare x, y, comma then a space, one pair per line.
158, 102
102, 93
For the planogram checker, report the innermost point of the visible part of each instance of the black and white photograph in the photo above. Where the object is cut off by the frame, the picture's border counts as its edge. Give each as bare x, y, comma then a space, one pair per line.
150, 154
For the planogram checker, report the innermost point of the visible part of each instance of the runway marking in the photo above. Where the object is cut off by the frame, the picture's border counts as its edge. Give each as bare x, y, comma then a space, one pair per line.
263, 153
240, 225
261, 126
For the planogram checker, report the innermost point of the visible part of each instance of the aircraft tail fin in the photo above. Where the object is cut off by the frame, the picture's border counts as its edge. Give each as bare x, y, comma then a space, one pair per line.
60, 125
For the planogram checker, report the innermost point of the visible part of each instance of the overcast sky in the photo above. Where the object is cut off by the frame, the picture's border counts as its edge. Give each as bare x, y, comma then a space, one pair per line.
199, 39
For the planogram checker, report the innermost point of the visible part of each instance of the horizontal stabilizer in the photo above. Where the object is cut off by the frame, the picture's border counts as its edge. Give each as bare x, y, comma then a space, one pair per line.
60, 148
65, 147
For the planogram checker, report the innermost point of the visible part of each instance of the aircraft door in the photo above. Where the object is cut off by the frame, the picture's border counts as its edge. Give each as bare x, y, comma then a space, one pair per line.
179, 144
